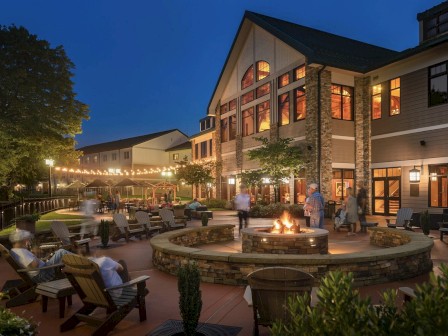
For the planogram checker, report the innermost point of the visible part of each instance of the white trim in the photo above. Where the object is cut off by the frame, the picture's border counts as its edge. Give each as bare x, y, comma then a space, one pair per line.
300, 138
343, 137
250, 148
229, 153
343, 165
411, 131
409, 163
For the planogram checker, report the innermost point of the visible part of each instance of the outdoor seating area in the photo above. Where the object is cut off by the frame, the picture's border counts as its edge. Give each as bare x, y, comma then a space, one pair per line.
222, 304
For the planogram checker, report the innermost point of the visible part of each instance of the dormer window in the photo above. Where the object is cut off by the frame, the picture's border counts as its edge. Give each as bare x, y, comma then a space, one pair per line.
436, 25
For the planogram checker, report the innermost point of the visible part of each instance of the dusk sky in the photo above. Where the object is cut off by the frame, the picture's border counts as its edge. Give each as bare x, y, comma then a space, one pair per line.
147, 66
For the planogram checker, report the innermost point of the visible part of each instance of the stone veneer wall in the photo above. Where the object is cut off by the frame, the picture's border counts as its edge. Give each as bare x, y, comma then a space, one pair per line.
363, 152
218, 151
369, 267
389, 238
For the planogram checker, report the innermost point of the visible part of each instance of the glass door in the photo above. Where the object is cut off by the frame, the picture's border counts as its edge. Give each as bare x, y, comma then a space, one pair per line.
386, 193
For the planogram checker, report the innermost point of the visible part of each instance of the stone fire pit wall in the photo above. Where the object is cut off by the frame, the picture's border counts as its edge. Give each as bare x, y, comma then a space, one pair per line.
170, 250
311, 241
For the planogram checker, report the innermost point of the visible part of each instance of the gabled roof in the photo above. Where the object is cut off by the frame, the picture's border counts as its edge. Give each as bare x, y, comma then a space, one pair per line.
183, 145
211, 129
123, 143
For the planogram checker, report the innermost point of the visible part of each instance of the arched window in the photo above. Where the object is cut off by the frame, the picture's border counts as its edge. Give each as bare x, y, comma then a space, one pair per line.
248, 78
263, 70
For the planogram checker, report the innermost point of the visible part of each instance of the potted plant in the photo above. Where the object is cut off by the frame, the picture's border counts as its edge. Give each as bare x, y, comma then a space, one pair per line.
204, 219
190, 301
425, 223
179, 210
11, 324
27, 222
104, 233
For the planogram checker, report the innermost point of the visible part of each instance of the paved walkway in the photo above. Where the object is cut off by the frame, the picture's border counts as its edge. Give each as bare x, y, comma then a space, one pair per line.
222, 304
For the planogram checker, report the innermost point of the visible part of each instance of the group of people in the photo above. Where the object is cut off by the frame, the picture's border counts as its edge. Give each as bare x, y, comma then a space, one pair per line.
353, 209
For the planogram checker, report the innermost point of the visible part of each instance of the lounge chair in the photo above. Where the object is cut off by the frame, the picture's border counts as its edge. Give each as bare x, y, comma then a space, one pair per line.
144, 219
85, 276
169, 221
271, 287
24, 292
69, 242
402, 221
123, 229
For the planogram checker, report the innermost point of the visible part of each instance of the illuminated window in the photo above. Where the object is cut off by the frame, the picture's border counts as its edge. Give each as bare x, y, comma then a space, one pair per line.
248, 121
175, 156
95, 158
248, 78
223, 108
283, 80
263, 116
342, 102
224, 129
232, 105
232, 127
299, 72
438, 185
300, 103
247, 97
376, 101
263, 90
126, 155
263, 70
395, 97
283, 109
438, 84
87, 160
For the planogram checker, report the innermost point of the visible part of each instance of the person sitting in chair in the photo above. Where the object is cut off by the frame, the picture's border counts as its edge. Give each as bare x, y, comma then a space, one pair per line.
193, 205
20, 240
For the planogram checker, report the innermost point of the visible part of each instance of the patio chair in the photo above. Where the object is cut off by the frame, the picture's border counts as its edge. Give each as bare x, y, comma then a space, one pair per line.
85, 276
124, 230
144, 219
24, 292
69, 242
271, 287
402, 221
169, 221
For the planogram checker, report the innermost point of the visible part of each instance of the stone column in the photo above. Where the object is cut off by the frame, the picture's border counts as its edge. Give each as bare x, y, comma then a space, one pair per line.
363, 149
218, 152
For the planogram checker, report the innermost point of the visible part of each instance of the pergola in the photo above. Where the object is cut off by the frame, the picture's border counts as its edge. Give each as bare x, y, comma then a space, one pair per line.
163, 185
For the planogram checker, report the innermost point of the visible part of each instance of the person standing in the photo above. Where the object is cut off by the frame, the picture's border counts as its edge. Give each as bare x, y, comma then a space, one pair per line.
117, 202
242, 205
306, 211
351, 209
361, 198
315, 206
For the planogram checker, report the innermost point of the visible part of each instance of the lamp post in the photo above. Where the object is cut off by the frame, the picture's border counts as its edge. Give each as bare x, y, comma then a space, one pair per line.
49, 163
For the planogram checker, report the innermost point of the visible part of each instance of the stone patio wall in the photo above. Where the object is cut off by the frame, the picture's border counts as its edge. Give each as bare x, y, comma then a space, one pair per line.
369, 267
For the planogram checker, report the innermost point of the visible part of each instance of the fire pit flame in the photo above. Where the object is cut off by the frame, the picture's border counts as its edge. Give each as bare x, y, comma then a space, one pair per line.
285, 224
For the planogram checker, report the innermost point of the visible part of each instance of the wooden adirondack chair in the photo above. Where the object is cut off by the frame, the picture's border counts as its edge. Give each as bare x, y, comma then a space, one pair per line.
25, 292
85, 276
143, 218
402, 221
68, 240
271, 287
123, 230
169, 221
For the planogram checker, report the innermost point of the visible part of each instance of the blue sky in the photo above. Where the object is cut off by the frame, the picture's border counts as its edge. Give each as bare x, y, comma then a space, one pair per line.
146, 66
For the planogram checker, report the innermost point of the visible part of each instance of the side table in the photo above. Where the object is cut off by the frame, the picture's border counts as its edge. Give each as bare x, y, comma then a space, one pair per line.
57, 289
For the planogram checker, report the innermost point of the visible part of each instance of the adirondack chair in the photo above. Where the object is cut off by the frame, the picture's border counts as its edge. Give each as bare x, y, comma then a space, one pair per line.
402, 221
25, 292
85, 276
271, 287
123, 230
143, 218
169, 221
68, 240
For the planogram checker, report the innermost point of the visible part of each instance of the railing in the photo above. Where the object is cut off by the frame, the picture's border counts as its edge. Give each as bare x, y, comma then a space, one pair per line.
29, 206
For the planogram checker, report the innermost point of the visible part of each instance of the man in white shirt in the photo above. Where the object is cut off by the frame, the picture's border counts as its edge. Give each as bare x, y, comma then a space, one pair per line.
25, 258
109, 269
242, 204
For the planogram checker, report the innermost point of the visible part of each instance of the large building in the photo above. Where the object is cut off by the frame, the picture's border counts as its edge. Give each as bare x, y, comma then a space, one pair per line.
362, 113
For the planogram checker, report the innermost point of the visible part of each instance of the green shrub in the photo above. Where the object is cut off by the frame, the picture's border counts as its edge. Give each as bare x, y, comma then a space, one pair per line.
215, 203
204, 219
190, 300
11, 324
296, 210
341, 311
104, 230
272, 210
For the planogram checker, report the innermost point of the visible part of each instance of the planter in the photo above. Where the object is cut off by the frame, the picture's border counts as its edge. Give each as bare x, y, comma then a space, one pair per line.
26, 225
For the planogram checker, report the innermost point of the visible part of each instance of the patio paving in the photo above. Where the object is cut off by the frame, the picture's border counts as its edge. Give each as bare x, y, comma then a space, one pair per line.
222, 304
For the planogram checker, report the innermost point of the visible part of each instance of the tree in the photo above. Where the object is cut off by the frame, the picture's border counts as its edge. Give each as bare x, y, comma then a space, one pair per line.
39, 112
278, 159
252, 178
198, 173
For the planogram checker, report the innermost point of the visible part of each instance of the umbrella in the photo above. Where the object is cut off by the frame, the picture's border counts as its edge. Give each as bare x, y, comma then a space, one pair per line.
76, 185
97, 184
127, 182
145, 185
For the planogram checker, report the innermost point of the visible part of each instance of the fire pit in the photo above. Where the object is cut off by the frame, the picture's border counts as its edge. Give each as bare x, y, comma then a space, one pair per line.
285, 237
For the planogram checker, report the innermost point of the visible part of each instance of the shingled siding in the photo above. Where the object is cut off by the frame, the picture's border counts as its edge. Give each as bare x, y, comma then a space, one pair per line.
369, 267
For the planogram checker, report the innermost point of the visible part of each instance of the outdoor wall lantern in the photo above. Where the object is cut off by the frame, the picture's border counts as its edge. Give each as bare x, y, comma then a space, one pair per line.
433, 177
231, 180
414, 175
